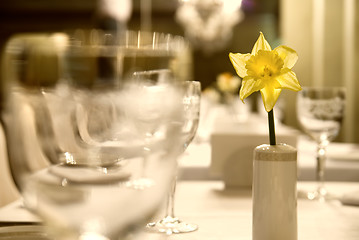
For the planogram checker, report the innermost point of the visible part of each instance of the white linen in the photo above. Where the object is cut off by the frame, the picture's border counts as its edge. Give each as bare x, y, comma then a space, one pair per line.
227, 213
195, 164
350, 198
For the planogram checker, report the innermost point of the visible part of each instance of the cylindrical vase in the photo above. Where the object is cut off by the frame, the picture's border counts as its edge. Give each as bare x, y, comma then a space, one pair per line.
274, 192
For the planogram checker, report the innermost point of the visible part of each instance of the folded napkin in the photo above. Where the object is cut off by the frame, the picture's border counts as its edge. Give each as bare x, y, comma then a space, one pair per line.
343, 151
351, 198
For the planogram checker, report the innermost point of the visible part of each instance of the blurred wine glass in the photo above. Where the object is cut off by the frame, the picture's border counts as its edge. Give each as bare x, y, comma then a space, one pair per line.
150, 110
191, 93
73, 145
320, 112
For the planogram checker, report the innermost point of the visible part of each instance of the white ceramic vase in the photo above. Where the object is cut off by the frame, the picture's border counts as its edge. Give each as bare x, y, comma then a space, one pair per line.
274, 192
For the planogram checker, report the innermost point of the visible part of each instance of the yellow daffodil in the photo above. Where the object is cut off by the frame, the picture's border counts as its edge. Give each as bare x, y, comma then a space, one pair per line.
266, 70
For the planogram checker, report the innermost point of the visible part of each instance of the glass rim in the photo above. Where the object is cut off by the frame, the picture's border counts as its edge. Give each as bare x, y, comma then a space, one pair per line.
127, 40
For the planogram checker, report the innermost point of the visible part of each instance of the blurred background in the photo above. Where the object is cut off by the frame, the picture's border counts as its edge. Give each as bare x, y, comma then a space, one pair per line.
323, 32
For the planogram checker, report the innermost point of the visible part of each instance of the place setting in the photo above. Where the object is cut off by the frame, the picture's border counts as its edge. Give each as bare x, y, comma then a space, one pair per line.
196, 119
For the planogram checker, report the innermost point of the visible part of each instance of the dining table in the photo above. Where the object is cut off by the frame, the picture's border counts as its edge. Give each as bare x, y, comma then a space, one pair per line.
342, 163
226, 213
223, 211
219, 134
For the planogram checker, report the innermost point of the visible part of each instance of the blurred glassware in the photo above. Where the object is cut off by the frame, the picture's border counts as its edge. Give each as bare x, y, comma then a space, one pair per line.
135, 51
72, 144
191, 95
150, 110
320, 112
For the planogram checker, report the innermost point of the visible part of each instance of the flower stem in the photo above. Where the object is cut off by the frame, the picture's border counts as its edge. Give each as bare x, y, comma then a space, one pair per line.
272, 140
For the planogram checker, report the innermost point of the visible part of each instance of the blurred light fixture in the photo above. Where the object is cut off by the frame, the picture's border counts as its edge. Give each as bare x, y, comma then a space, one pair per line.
118, 9
115, 14
208, 24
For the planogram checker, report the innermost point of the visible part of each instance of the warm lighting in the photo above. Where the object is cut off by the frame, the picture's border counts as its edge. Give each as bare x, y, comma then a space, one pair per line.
208, 24
118, 9
69, 158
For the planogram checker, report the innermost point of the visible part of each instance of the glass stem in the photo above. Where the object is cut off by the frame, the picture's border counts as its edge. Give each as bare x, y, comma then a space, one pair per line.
170, 212
321, 158
146, 153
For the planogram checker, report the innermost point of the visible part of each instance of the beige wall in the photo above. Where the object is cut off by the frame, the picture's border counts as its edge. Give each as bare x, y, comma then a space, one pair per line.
325, 34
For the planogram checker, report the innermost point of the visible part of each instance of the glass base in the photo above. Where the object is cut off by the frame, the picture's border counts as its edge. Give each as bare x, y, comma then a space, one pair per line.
171, 225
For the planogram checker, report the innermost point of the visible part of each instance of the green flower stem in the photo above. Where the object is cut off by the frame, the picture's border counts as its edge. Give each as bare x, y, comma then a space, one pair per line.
272, 140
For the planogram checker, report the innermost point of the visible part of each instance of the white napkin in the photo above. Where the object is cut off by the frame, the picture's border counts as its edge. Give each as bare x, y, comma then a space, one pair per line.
343, 151
351, 198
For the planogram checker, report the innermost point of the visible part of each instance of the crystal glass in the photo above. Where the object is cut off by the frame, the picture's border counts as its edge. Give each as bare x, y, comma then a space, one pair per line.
75, 147
151, 107
191, 92
320, 112
146, 51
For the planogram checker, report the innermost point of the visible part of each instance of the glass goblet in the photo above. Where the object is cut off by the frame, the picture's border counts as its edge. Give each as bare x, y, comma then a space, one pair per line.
82, 192
155, 92
320, 113
191, 91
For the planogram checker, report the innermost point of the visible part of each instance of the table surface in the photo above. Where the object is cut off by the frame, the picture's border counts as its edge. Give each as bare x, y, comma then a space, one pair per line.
196, 162
226, 213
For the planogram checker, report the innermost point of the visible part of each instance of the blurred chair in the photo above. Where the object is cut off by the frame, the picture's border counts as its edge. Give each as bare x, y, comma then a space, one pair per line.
8, 188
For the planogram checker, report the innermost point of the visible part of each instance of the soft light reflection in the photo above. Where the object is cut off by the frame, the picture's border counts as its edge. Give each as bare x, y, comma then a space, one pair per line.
119, 9
92, 229
208, 23
69, 158
231, 5
60, 40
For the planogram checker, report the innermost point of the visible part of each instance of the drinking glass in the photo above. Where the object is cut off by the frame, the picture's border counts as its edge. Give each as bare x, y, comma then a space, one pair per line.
151, 110
320, 112
74, 148
191, 91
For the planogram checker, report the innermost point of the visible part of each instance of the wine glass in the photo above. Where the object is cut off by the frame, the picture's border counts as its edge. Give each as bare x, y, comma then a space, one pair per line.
320, 113
191, 91
150, 109
83, 191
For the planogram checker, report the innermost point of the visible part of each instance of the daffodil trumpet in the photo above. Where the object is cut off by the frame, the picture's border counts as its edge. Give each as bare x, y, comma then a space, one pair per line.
268, 71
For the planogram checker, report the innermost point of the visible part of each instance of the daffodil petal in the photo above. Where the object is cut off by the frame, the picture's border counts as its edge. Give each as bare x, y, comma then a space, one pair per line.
249, 86
270, 97
261, 44
274, 83
288, 55
238, 61
288, 80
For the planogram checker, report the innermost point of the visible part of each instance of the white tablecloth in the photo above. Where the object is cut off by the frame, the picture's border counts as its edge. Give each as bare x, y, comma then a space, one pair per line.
226, 213
195, 162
